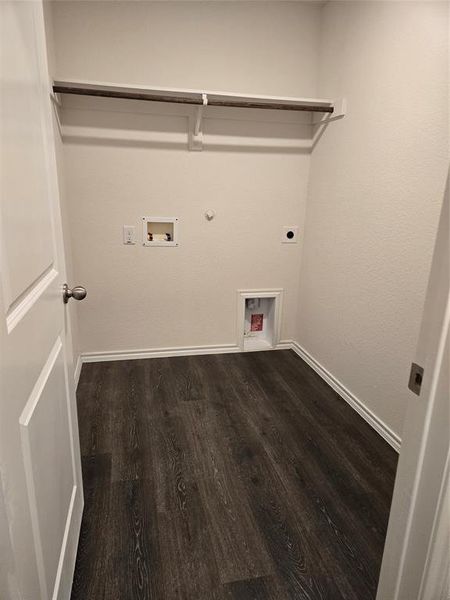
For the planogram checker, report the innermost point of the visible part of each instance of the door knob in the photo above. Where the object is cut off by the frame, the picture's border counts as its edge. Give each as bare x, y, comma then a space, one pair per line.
78, 292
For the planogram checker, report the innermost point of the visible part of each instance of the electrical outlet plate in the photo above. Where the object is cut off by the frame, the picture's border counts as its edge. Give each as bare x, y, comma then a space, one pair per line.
129, 234
289, 234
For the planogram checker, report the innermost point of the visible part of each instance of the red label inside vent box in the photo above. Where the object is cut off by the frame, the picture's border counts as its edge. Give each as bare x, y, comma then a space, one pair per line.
256, 323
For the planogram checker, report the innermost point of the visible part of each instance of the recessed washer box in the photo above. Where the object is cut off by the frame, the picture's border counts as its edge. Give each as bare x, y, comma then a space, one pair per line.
160, 231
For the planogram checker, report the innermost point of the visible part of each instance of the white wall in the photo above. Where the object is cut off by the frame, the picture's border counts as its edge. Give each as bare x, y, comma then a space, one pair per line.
72, 308
376, 187
253, 47
374, 193
124, 160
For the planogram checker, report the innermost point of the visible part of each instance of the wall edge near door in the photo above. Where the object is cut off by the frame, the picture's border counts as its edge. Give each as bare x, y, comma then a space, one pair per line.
77, 371
356, 403
87, 357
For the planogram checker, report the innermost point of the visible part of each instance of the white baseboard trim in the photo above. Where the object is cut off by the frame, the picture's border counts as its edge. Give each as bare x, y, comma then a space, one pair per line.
77, 371
380, 426
284, 345
87, 357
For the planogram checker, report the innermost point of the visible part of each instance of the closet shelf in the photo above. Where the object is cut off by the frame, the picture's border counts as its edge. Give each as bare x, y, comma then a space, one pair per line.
330, 109
193, 97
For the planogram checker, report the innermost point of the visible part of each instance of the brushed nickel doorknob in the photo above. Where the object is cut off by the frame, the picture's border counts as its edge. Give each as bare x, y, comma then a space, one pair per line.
78, 293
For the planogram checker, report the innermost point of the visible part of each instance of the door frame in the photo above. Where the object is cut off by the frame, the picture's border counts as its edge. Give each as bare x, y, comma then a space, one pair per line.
414, 517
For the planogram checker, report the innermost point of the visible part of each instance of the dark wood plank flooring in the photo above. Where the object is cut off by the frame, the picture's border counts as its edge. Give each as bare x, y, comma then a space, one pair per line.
238, 476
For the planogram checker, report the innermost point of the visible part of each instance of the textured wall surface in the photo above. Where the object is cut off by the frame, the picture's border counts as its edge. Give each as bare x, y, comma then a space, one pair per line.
376, 188
374, 192
253, 47
124, 160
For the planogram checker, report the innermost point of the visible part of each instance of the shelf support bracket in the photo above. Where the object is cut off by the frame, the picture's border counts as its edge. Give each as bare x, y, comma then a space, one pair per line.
195, 127
56, 98
340, 110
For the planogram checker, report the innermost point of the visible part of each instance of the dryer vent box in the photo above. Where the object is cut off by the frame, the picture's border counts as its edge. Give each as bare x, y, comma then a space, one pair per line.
289, 234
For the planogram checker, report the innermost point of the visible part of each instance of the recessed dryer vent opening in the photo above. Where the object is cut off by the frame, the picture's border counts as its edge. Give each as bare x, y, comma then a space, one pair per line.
160, 231
258, 319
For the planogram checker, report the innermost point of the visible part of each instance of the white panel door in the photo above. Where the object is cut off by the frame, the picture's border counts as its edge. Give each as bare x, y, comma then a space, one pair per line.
41, 493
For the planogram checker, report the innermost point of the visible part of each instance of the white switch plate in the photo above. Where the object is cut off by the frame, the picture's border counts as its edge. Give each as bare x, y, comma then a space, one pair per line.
289, 234
129, 234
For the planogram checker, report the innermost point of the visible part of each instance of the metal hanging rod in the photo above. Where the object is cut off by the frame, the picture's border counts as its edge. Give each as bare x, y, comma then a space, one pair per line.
193, 97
